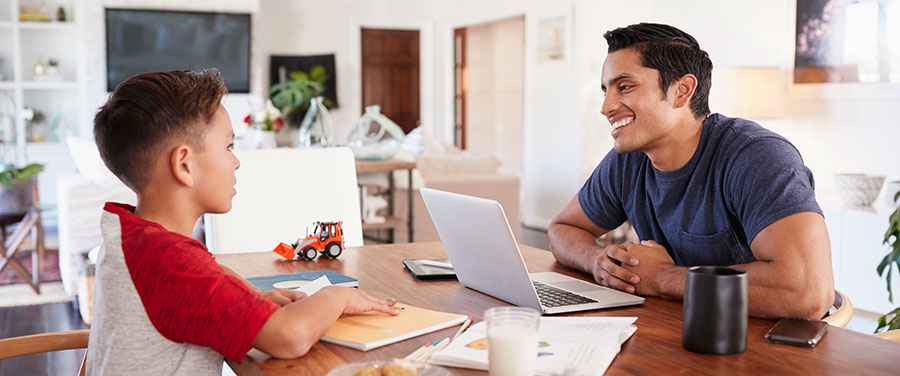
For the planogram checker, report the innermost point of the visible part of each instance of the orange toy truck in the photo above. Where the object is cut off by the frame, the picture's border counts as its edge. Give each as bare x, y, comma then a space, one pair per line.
327, 238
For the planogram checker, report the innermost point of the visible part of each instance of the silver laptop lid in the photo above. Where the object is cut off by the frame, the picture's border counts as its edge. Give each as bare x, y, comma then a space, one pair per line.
481, 246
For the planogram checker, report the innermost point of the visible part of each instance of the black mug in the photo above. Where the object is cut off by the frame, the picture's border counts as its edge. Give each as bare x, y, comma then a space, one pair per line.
715, 310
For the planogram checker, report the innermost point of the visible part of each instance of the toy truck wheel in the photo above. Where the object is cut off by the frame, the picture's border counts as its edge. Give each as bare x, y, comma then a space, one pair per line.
309, 253
333, 249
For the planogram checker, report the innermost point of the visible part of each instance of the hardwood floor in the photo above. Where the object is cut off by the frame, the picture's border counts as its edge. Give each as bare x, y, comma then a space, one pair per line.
55, 317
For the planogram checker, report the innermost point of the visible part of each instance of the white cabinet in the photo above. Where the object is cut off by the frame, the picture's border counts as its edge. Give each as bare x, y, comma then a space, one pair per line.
856, 248
61, 97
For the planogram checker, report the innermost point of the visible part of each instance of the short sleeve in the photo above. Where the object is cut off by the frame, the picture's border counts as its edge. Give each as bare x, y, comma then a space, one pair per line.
600, 196
189, 298
767, 182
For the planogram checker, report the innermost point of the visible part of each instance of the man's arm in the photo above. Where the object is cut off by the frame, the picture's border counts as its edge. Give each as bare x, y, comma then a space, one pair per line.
792, 276
573, 241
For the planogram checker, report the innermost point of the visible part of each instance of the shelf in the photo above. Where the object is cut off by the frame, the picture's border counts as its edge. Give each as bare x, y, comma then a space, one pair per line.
7, 85
38, 25
50, 85
5, 25
389, 222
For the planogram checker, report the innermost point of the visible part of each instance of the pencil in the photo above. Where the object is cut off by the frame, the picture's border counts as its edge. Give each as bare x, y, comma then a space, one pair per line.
423, 357
463, 327
420, 350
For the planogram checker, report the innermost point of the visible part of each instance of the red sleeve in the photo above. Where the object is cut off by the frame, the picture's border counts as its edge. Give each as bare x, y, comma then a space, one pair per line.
189, 298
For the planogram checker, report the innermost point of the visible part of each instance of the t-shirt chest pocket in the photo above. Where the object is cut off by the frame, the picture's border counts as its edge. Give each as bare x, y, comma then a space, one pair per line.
722, 248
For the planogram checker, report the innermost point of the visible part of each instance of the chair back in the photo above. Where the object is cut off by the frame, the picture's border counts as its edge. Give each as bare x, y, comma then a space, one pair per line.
841, 312
281, 193
45, 342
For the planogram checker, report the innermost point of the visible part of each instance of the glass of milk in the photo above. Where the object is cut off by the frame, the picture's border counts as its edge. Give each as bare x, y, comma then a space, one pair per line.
512, 334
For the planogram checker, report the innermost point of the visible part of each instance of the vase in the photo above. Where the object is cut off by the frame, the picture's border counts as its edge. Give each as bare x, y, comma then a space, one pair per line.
376, 137
259, 139
315, 130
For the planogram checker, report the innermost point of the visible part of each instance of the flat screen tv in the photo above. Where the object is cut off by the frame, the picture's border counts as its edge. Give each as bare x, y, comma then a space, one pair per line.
140, 40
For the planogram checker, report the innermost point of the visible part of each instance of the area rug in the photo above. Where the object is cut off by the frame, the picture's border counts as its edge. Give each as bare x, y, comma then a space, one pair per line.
22, 294
50, 272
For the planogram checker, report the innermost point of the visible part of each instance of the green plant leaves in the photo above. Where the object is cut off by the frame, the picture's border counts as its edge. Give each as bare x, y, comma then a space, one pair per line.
294, 94
11, 174
892, 237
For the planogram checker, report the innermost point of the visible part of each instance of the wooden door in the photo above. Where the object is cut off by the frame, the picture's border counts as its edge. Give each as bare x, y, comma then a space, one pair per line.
390, 74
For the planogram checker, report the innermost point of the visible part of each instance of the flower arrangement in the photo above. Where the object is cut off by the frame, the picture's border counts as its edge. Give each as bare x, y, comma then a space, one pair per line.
268, 118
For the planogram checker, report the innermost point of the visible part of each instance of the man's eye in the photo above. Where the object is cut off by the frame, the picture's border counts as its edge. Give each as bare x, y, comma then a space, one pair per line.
624, 87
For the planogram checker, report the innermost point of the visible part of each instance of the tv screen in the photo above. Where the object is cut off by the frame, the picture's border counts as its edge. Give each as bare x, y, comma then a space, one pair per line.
139, 40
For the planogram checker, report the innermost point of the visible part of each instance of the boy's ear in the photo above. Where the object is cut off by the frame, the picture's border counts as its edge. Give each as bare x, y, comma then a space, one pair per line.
684, 90
181, 163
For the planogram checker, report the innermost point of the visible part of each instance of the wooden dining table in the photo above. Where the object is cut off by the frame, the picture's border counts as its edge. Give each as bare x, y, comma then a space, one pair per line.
654, 349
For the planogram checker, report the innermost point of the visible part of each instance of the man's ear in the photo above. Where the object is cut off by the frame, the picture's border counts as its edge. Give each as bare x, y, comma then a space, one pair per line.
181, 163
684, 90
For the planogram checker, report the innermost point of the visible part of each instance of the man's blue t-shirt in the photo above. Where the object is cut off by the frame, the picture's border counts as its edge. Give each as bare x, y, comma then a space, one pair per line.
741, 178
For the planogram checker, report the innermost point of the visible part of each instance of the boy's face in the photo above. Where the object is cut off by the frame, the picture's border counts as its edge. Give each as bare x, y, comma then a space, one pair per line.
216, 165
633, 104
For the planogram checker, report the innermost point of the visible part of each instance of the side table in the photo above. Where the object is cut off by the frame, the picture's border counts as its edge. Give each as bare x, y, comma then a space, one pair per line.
391, 221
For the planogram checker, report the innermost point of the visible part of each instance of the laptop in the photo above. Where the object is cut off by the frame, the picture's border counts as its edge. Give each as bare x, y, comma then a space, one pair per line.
486, 258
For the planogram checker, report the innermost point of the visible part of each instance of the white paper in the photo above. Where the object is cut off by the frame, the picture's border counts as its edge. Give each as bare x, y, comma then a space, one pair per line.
568, 345
314, 285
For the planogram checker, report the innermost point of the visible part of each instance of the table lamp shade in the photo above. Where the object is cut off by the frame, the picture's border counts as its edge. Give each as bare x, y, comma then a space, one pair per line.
747, 92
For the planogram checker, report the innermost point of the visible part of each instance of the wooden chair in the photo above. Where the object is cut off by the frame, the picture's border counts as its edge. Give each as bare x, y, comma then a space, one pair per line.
280, 193
45, 342
843, 310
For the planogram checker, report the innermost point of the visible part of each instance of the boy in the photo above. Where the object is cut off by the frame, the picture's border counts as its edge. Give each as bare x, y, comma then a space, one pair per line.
162, 304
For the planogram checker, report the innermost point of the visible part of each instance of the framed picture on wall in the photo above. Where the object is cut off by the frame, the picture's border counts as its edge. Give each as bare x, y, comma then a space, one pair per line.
847, 41
280, 68
551, 39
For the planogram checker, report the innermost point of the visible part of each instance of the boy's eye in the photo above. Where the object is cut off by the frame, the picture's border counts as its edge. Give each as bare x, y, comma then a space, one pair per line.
231, 146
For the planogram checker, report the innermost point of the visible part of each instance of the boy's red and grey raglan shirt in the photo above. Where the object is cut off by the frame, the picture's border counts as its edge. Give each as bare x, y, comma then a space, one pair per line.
163, 306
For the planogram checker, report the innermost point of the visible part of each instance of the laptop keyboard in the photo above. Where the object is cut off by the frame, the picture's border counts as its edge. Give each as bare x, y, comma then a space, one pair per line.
553, 297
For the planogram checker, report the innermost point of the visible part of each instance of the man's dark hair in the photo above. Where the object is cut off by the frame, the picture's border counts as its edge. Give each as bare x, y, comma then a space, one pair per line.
150, 111
670, 51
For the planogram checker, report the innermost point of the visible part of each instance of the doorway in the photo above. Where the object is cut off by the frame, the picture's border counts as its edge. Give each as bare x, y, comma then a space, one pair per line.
390, 74
489, 90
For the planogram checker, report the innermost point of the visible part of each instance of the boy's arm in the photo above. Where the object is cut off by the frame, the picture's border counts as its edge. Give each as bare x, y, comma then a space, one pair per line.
294, 328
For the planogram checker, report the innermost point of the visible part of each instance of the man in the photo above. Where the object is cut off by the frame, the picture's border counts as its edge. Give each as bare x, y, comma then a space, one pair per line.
699, 188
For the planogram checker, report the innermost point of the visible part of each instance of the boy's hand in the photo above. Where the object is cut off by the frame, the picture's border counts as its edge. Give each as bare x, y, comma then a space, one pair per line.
283, 297
359, 302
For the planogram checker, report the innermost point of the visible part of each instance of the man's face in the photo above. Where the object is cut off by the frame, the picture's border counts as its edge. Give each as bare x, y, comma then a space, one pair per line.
216, 165
633, 104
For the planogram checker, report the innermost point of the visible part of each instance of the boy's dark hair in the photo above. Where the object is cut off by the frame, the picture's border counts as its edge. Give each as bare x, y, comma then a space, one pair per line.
670, 51
149, 111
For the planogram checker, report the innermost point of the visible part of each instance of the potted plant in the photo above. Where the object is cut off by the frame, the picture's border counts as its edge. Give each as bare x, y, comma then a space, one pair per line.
293, 96
17, 187
891, 320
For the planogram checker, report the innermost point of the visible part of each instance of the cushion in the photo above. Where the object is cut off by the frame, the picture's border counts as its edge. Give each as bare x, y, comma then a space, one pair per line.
88, 162
462, 163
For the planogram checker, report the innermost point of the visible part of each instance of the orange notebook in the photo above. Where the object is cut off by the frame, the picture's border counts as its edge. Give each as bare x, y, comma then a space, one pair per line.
374, 329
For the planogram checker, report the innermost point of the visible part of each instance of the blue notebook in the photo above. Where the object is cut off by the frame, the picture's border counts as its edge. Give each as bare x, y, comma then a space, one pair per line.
294, 280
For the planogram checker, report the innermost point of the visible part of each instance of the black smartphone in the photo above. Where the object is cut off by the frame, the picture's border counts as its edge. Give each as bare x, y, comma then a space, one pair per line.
797, 332
430, 270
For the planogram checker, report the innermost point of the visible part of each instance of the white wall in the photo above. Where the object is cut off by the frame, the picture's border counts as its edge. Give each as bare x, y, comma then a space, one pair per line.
288, 27
550, 154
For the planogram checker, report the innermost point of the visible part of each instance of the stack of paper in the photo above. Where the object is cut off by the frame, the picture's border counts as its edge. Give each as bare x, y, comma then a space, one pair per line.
568, 345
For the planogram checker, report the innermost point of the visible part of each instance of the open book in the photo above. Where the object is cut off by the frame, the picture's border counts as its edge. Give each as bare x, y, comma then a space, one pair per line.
568, 345
374, 329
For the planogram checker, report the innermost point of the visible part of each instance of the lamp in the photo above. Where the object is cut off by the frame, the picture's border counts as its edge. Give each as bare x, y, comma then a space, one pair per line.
747, 92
